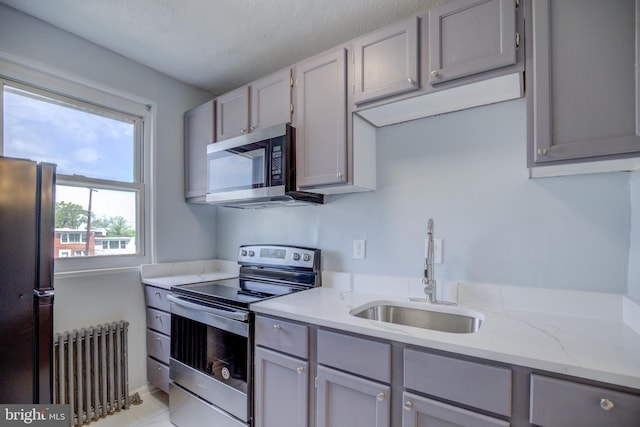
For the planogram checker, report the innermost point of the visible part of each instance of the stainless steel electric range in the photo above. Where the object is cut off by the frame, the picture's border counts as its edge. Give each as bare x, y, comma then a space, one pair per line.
211, 365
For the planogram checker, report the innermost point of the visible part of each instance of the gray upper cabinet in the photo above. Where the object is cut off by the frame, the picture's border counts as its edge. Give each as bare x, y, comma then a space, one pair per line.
263, 103
386, 62
271, 100
467, 37
321, 120
581, 81
233, 113
199, 130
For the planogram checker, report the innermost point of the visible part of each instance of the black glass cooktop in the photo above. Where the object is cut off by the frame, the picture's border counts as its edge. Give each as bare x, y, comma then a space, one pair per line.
235, 292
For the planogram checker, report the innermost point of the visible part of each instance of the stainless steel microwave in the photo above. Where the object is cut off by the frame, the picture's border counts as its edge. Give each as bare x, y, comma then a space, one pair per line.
256, 170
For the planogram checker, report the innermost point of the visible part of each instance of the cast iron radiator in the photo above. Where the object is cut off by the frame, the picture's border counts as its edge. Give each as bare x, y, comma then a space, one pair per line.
90, 371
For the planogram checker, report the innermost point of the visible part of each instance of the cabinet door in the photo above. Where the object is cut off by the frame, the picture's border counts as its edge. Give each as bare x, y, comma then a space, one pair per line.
580, 77
281, 390
347, 400
470, 36
386, 62
199, 130
559, 403
233, 113
422, 412
271, 100
321, 117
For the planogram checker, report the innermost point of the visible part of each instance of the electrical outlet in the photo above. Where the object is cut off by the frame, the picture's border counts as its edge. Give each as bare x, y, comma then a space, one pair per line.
359, 248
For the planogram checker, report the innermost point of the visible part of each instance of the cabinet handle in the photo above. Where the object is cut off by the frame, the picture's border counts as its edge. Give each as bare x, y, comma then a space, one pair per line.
339, 175
607, 404
156, 293
407, 405
380, 396
158, 317
276, 327
300, 370
252, 128
542, 151
243, 131
411, 81
434, 73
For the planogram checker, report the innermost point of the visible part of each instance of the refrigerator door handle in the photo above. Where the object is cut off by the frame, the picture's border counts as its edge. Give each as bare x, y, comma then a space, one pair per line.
43, 293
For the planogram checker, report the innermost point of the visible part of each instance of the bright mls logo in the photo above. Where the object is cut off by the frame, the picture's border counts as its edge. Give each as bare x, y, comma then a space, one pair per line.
36, 415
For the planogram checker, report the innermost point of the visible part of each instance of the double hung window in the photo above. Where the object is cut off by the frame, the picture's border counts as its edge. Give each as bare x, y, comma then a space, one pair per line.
99, 153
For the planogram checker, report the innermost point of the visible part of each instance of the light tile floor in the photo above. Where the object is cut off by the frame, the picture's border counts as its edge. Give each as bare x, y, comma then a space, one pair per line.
153, 412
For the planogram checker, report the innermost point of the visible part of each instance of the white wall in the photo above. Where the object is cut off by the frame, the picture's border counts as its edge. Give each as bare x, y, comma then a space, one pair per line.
182, 232
467, 171
634, 251
88, 301
176, 221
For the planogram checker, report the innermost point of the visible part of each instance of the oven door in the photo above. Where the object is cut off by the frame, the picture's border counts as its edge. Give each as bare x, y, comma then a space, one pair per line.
211, 348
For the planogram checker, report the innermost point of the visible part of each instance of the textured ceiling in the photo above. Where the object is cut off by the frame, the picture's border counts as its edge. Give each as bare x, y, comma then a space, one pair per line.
218, 45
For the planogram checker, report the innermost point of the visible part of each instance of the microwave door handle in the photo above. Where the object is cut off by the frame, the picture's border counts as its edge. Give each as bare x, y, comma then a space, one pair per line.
229, 314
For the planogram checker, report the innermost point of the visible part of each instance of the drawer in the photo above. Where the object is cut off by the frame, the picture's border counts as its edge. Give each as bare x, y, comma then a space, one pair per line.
156, 297
371, 359
158, 374
159, 321
431, 412
158, 346
563, 403
469, 383
282, 335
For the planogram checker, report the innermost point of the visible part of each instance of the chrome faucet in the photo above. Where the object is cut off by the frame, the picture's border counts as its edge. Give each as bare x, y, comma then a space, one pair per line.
428, 281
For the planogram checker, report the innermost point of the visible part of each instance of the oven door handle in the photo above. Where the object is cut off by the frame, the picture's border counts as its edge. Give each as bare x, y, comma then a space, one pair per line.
233, 321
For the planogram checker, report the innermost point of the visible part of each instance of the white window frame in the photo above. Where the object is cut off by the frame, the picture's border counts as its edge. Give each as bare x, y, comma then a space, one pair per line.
16, 71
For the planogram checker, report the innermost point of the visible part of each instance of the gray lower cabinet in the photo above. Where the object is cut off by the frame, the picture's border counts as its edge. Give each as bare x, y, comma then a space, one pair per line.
349, 400
561, 403
420, 411
581, 81
466, 382
199, 130
281, 390
468, 37
282, 372
158, 337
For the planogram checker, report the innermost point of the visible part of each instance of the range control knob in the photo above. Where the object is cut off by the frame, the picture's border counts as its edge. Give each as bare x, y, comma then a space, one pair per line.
251, 253
296, 256
306, 257
243, 252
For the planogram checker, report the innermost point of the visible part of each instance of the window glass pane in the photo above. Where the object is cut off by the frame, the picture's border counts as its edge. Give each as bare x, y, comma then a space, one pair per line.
112, 213
80, 140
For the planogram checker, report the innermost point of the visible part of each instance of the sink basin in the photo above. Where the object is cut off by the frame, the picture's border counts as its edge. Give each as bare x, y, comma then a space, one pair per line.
444, 319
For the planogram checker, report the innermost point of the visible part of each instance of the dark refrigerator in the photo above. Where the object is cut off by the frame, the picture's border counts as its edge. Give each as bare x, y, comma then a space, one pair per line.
27, 207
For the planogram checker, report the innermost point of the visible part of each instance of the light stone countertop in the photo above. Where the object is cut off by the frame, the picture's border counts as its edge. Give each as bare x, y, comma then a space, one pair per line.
166, 275
583, 334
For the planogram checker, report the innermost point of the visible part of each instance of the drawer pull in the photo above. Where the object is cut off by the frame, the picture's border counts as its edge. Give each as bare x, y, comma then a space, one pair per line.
277, 327
300, 370
607, 404
407, 405
156, 293
380, 396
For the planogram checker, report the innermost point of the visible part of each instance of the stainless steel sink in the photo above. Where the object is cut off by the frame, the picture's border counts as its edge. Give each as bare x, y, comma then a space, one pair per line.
454, 320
